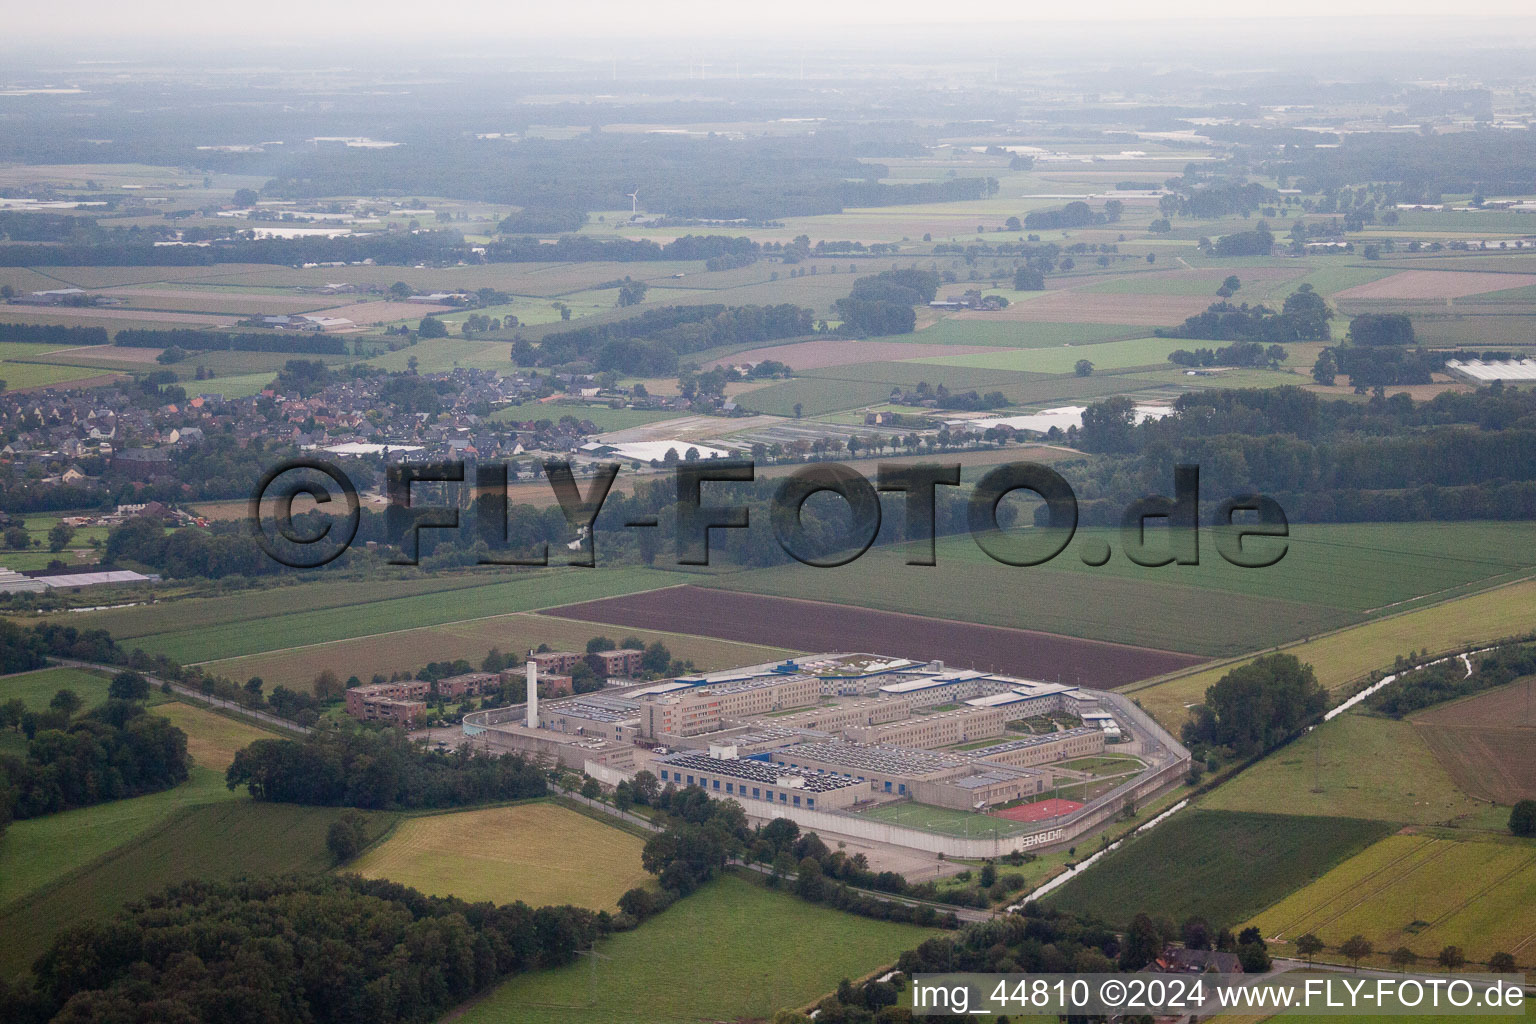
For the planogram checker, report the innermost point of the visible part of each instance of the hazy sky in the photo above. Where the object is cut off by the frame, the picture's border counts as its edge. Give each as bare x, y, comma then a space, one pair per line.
272, 21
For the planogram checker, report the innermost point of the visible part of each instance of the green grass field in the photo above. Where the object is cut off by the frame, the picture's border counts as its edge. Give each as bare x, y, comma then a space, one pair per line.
1369, 767
1346, 656
953, 331
815, 396
1221, 865
37, 851
1109, 355
221, 840
1421, 892
273, 629
37, 688
703, 959
948, 822
540, 853
1331, 576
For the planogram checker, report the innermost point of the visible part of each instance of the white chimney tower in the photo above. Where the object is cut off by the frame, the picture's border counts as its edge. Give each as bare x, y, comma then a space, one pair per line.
533, 692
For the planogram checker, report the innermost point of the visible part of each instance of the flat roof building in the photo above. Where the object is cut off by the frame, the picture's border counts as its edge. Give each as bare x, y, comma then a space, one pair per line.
758, 783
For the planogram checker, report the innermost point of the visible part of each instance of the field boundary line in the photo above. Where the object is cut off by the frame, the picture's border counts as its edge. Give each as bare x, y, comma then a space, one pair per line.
1479, 894
1426, 841
1435, 855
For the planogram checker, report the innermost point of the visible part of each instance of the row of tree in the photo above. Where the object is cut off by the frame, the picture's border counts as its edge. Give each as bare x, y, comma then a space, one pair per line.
377, 770
651, 344
320, 949
308, 342
54, 334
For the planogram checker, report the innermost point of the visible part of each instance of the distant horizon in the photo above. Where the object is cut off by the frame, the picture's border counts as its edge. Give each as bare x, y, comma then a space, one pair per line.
289, 24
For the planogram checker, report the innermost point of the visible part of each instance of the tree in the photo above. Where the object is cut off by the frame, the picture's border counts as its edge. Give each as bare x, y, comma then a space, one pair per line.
1326, 368
17, 538
67, 701
1452, 958
1309, 946
809, 884
599, 643
1195, 932
128, 686
1230, 286
1502, 963
1143, 942
1522, 818
60, 535
1374, 329
646, 787
1401, 957
1357, 948
432, 327
1028, 279
400, 290
1013, 224
656, 659
327, 686
798, 409
591, 790
1083, 368
347, 836
1258, 705
245, 197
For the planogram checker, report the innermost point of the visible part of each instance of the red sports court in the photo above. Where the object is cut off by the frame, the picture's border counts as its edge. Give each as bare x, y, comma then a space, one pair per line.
1039, 810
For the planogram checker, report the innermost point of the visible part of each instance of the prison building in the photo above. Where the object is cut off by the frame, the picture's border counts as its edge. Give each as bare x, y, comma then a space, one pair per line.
927, 691
886, 769
938, 729
621, 664
1028, 699
758, 783
692, 708
405, 713
982, 786
852, 715
855, 675
1083, 741
405, 689
599, 715
470, 684
554, 685
563, 662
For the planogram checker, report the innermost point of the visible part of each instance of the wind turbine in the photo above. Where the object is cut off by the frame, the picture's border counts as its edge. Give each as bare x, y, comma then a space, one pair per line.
634, 200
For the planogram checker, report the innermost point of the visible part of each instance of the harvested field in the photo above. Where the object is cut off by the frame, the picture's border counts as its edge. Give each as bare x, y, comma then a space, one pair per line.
1436, 284
108, 315
125, 354
385, 312
1078, 307
210, 300
813, 355
1487, 742
817, 626
503, 854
